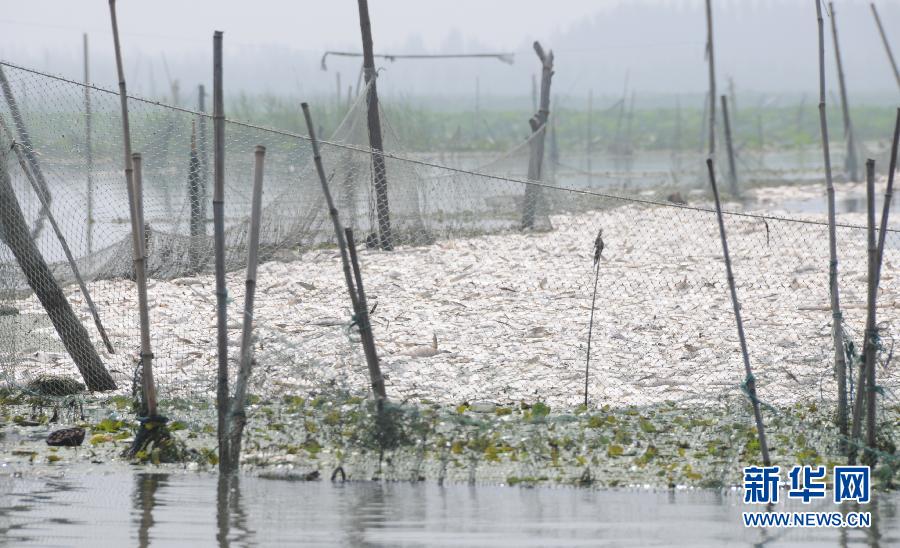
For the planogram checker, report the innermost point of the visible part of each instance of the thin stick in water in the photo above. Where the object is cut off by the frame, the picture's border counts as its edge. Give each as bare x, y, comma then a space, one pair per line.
362, 321
750, 382
238, 416
864, 394
375, 376
219, 243
598, 251
732, 169
837, 328
871, 433
850, 163
887, 45
137, 240
711, 60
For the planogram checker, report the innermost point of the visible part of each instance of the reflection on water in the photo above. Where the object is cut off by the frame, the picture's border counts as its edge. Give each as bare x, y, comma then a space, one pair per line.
202, 510
144, 497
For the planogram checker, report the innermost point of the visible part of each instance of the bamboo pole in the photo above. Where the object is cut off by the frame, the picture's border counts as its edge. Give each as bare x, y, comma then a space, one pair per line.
59, 236
238, 417
219, 240
377, 380
837, 330
203, 150
732, 170
15, 234
538, 123
88, 148
850, 162
871, 433
887, 45
140, 266
750, 382
703, 134
137, 241
865, 398
732, 100
362, 321
382, 207
711, 61
28, 148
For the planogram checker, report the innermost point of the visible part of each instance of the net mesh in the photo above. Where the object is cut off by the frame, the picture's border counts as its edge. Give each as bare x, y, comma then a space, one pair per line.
466, 308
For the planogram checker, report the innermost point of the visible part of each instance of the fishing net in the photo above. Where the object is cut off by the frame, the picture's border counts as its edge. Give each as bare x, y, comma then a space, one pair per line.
468, 308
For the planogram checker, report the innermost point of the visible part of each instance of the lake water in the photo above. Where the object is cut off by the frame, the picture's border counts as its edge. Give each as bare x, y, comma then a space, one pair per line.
189, 509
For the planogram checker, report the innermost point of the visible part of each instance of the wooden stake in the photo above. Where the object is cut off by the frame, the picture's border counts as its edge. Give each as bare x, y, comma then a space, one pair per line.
383, 212
837, 330
887, 45
238, 418
703, 133
850, 163
538, 123
59, 236
88, 149
750, 383
137, 240
732, 170
219, 242
377, 380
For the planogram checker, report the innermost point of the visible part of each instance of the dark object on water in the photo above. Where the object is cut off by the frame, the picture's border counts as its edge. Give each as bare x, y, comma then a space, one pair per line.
67, 437
339, 470
676, 198
291, 476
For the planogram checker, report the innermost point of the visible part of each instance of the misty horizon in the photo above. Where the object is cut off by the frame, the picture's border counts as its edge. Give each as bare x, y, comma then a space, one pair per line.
596, 46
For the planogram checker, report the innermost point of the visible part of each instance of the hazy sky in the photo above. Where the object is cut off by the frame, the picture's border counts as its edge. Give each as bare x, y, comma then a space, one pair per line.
183, 25
276, 45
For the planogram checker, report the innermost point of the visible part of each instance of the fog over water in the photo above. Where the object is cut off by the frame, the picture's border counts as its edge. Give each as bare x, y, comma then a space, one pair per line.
276, 46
